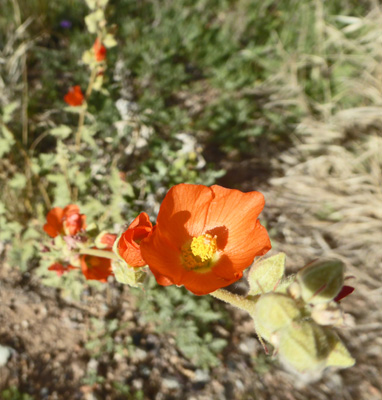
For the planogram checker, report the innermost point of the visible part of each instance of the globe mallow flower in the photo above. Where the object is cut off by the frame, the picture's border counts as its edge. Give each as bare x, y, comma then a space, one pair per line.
96, 268
64, 221
205, 237
74, 97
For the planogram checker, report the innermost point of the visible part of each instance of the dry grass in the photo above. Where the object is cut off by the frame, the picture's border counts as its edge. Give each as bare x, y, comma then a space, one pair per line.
328, 201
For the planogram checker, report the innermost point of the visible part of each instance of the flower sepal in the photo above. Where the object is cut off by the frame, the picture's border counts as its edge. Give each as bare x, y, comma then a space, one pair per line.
266, 275
127, 275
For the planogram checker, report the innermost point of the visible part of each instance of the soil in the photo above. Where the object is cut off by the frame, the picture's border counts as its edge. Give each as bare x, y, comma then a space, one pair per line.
49, 360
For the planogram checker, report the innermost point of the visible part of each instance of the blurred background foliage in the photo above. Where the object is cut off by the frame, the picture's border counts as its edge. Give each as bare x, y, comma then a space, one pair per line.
193, 87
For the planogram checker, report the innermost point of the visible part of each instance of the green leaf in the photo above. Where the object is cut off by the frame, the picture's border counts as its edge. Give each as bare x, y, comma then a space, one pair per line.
109, 41
8, 111
92, 20
6, 141
92, 4
18, 181
265, 275
61, 131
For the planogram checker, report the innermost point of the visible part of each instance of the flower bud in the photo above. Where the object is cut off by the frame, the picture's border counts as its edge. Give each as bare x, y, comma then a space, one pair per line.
304, 346
321, 280
274, 311
265, 275
338, 355
127, 275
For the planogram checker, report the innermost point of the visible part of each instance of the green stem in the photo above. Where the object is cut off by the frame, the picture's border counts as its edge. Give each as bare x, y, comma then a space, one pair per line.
100, 253
81, 119
235, 300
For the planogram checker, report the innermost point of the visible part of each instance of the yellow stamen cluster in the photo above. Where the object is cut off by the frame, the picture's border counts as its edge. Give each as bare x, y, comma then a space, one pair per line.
204, 246
199, 254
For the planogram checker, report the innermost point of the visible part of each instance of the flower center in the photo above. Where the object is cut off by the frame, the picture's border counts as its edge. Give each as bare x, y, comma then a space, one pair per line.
200, 254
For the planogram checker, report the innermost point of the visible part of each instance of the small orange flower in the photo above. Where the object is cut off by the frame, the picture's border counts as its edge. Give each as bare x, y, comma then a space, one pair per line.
99, 50
74, 97
96, 268
60, 269
205, 237
67, 221
129, 242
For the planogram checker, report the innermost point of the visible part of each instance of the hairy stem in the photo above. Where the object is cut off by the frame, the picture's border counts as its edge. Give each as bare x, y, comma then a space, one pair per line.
235, 300
100, 253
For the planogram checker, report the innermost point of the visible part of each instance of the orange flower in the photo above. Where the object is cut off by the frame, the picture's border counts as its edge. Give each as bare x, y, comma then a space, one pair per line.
67, 221
205, 237
96, 268
74, 97
129, 242
99, 50
60, 269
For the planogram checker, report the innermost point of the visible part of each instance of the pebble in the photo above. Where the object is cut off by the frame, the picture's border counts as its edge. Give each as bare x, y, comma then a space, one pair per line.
5, 353
170, 383
201, 376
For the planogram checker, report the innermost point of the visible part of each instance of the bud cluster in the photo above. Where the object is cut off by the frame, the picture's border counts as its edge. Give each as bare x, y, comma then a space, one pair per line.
297, 314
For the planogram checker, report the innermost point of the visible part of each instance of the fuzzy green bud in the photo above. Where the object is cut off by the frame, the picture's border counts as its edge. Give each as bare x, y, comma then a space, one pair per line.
274, 311
303, 346
265, 275
338, 355
128, 275
321, 280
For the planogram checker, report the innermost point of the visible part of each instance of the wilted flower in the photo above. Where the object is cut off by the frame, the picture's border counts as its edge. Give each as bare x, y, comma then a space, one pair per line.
74, 97
60, 269
67, 221
205, 237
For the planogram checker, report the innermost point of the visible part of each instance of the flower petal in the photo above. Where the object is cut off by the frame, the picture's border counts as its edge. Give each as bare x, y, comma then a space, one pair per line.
238, 213
162, 257
183, 212
53, 226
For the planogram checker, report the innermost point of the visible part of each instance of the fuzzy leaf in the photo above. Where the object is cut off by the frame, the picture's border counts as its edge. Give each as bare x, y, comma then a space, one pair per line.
61, 131
109, 41
92, 4
8, 111
18, 181
92, 20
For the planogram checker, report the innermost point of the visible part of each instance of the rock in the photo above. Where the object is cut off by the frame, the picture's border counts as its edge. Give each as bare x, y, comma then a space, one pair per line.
171, 383
5, 353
